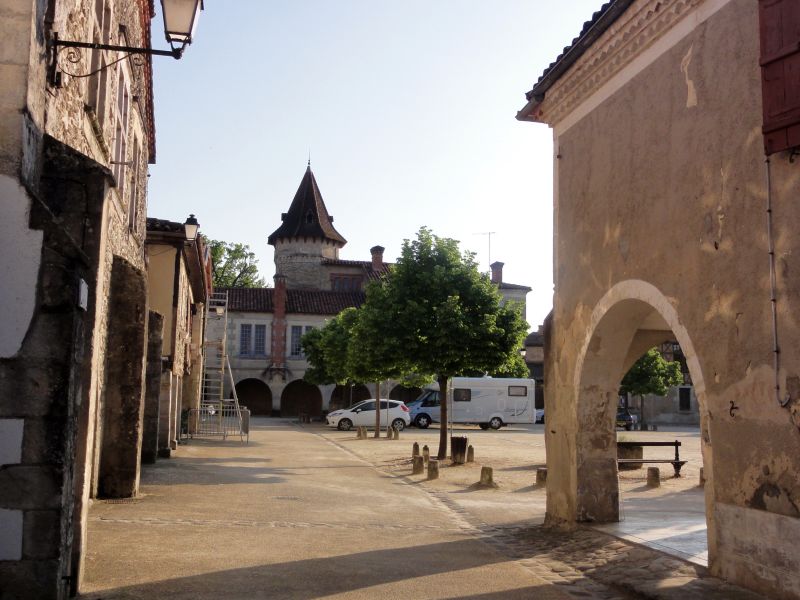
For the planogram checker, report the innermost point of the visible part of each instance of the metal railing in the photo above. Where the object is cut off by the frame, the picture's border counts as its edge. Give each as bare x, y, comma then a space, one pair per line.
220, 420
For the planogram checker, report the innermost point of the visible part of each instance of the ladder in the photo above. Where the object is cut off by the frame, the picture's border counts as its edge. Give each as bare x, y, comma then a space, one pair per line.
218, 415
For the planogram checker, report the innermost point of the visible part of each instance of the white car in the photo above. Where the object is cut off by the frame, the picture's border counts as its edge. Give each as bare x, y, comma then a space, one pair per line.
363, 413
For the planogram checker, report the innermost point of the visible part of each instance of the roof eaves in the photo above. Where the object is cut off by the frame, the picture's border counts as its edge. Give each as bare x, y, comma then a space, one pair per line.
592, 30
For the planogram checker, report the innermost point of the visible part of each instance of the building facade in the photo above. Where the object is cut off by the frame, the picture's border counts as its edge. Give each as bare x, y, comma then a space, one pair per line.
178, 289
74, 152
312, 284
675, 127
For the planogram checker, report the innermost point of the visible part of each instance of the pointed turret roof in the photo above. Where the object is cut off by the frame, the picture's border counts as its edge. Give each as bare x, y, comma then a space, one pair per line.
307, 216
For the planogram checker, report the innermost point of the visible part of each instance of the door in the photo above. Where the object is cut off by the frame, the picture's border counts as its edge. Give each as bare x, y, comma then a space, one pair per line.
365, 414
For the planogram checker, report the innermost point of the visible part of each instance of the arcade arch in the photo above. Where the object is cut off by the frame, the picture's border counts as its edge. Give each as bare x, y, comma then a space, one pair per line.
347, 395
301, 397
256, 396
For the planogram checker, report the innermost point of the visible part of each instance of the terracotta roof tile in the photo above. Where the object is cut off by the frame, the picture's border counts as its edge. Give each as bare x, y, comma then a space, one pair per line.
312, 302
164, 225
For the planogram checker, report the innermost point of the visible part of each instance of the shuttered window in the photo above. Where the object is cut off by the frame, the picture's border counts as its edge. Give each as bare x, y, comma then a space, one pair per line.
779, 22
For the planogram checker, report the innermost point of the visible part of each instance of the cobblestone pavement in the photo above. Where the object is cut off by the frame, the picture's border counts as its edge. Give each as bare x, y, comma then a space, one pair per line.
583, 562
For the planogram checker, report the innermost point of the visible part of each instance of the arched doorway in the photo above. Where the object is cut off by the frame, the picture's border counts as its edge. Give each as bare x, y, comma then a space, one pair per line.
404, 393
300, 396
630, 319
346, 395
255, 395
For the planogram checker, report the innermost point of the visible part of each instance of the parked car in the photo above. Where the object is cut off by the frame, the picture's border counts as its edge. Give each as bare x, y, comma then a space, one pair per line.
363, 414
626, 419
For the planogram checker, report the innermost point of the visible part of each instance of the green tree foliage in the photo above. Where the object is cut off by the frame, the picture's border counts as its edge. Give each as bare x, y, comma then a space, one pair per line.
326, 350
651, 374
234, 265
436, 313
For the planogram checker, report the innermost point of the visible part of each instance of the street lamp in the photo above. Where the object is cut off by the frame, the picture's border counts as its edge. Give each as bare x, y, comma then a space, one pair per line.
180, 20
191, 226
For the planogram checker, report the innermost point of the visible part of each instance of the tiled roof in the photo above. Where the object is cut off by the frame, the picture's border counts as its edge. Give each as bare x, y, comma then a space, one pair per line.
311, 302
592, 29
164, 225
513, 286
307, 216
370, 274
535, 338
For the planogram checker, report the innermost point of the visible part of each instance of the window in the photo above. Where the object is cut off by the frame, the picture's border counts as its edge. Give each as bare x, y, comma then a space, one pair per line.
121, 129
367, 406
432, 399
518, 390
245, 339
260, 340
780, 61
296, 349
133, 207
345, 283
685, 399
462, 395
101, 34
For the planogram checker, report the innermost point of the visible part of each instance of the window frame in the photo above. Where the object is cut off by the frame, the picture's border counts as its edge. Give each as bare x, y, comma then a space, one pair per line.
514, 388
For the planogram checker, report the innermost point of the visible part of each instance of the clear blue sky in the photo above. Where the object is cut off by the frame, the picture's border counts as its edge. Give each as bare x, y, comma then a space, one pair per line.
408, 111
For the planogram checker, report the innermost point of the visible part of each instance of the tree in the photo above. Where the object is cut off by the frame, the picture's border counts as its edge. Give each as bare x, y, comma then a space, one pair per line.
233, 265
436, 313
326, 350
651, 374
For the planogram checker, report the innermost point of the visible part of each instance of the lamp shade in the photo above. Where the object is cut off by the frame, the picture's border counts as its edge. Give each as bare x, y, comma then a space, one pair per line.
180, 19
190, 227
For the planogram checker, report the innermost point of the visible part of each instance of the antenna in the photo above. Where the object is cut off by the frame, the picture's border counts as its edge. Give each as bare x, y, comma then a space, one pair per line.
309, 158
488, 234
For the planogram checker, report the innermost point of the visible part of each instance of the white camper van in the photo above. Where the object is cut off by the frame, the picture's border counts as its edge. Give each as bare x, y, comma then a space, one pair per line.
483, 401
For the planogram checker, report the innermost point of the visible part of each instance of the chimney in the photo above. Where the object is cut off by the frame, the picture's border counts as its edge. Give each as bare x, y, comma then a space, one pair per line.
497, 272
377, 257
278, 345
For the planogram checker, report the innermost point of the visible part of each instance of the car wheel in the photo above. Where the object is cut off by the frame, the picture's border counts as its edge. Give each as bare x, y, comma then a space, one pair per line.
344, 425
423, 421
495, 422
483, 426
399, 424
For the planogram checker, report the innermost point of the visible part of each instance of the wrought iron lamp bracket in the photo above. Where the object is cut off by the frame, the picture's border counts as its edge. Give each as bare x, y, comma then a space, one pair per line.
73, 55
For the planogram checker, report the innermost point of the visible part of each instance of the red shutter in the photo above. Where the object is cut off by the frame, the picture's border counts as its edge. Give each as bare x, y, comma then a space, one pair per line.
780, 73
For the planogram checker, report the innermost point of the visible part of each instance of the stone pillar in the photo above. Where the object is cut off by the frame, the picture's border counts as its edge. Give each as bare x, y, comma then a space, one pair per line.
155, 343
165, 415
123, 397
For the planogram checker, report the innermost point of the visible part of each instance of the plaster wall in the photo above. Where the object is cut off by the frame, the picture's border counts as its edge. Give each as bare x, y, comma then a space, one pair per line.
661, 186
161, 285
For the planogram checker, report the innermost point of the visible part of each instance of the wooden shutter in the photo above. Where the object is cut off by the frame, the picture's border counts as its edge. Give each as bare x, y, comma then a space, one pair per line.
779, 22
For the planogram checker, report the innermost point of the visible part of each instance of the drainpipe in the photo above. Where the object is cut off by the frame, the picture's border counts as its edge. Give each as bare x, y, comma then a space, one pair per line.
776, 351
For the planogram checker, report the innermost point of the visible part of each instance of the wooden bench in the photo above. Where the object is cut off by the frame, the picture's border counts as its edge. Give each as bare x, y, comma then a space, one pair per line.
676, 463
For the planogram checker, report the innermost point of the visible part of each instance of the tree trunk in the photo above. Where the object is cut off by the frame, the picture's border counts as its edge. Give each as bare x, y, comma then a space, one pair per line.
377, 410
442, 417
643, 422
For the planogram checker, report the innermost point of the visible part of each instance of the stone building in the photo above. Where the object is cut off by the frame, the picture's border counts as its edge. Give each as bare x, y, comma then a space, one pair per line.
312, 284
73, 175
178, 288
676, 126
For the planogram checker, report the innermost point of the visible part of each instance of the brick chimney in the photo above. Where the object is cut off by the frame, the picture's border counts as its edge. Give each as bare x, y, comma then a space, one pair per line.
278, 346
377, 257
497, 272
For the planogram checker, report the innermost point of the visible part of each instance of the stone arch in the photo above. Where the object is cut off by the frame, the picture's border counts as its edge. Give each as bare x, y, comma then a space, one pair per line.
404, 393
345, 395
300, 396
632, 317
255, 395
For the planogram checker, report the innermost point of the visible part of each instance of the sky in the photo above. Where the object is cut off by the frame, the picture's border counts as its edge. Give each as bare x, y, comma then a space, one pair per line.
407, 110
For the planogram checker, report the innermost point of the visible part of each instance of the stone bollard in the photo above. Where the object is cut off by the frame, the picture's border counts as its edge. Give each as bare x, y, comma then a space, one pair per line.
433, 468
397, 434
702, 482
358, 433
541, 477
653, 477
415, 450
487, 477
417, 465
470, 454
362, 433
390, 433
426, 454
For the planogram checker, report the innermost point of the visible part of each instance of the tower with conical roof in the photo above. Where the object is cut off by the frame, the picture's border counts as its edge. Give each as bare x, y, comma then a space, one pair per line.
305, 238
